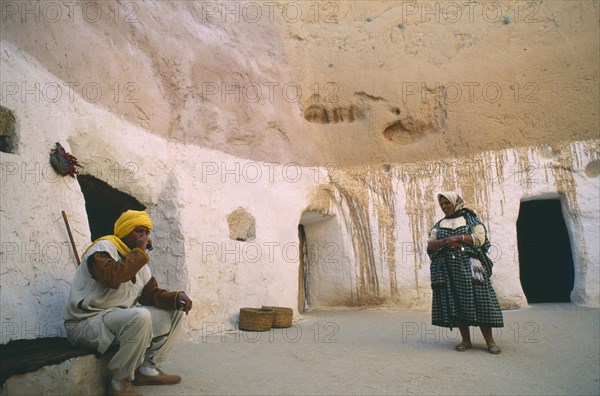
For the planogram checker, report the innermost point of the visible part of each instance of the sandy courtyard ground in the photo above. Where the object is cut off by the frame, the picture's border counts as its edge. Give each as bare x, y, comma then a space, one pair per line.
547, 349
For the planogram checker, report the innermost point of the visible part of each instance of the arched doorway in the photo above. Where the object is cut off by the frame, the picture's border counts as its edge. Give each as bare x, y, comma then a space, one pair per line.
104, 204
326, 271
545, 258
303, 302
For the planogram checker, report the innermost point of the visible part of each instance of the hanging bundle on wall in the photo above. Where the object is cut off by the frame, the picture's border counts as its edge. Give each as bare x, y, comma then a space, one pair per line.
62, 162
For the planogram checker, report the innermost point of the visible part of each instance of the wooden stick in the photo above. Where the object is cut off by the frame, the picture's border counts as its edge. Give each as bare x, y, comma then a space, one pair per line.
64, 215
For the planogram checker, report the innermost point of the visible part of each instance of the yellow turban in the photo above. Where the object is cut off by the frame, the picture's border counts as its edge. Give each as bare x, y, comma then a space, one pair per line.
131, 219
123, 226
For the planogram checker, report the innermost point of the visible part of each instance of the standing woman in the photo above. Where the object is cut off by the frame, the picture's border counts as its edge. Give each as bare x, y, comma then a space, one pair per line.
460, 273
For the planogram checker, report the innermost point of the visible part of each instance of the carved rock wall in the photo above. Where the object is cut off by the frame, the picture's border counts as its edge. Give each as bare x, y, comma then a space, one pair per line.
356, 114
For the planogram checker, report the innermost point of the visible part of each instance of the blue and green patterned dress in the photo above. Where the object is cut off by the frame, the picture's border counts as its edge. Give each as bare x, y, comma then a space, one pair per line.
456, 298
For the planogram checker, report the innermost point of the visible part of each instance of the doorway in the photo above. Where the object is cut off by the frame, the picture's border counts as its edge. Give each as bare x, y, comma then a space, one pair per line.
545, 259
104, 204
303, 302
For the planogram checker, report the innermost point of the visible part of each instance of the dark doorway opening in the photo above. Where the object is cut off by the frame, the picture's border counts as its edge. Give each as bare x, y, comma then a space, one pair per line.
104, 204
545, 259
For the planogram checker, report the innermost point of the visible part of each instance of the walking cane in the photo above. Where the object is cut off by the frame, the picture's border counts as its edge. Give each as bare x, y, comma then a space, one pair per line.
64, 215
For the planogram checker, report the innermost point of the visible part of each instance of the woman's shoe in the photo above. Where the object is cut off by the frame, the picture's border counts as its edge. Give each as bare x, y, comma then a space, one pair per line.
494, 349
463, 346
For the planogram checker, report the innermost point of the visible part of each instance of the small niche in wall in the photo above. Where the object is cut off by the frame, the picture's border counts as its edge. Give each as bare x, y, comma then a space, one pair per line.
8, 131
242, 225
104, 204
592, 169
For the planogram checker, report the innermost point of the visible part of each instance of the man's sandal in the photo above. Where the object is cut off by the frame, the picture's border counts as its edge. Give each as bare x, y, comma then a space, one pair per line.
462, 347
494, 349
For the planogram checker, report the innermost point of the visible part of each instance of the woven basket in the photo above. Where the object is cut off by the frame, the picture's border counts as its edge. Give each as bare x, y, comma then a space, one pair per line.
283, 316
256, 319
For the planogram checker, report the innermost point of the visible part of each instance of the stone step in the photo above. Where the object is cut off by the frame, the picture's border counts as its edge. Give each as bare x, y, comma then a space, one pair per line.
51, 366
82, 375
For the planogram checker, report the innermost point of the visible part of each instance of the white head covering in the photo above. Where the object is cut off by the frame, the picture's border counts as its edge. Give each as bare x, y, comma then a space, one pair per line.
454, 199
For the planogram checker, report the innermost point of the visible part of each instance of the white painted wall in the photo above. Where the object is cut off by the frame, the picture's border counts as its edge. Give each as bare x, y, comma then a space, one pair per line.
492, 183
190, 190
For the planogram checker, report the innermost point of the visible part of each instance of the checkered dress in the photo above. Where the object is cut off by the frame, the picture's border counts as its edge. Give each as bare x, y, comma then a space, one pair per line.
456, 298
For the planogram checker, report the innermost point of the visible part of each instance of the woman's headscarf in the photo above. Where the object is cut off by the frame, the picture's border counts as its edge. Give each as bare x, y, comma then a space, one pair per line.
472, 220
454, 199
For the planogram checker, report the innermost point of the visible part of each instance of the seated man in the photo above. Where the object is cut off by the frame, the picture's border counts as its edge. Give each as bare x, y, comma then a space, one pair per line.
115, 300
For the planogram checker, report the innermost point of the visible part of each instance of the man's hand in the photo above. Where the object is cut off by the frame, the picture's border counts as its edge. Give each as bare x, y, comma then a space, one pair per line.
143, 243
184, 303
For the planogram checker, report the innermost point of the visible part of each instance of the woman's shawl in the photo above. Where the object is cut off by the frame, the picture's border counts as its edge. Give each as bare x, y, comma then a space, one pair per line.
439, 274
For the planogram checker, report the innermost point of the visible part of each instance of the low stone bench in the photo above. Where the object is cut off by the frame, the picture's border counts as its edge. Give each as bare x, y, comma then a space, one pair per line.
51, 366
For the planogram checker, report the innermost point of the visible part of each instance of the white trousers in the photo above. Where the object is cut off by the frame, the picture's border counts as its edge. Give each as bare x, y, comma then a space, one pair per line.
143, 334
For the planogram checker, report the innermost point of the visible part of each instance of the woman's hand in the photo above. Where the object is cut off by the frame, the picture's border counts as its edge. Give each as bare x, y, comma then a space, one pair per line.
453, 242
